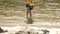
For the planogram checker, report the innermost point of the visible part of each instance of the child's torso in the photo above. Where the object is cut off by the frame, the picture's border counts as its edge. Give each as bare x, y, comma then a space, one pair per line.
30, 3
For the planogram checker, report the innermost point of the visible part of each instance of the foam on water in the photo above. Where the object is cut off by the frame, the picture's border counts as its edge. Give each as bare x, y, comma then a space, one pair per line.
18, 28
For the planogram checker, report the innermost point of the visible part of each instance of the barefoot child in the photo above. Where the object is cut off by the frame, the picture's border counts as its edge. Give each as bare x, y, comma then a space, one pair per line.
29, 6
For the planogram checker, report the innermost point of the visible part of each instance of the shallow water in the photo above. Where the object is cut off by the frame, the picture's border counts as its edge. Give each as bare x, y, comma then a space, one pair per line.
13, 13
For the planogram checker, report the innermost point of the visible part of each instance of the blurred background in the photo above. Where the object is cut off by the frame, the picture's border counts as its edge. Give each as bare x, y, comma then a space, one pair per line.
14, 12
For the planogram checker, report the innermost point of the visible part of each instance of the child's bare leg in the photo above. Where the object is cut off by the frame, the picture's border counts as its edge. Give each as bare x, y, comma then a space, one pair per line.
27, 12
30, 13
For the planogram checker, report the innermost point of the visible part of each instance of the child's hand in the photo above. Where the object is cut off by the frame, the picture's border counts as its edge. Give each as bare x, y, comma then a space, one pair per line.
32, 6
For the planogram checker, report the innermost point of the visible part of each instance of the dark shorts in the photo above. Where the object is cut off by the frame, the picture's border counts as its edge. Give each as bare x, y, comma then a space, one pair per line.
28, 6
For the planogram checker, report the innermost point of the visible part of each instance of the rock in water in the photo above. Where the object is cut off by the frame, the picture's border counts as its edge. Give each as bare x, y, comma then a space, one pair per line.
2, 31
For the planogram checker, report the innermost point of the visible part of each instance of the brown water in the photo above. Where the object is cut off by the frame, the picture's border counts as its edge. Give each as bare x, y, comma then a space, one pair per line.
14, 12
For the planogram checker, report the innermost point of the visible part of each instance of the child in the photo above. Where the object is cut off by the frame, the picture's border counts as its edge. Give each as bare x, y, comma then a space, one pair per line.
29, 6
